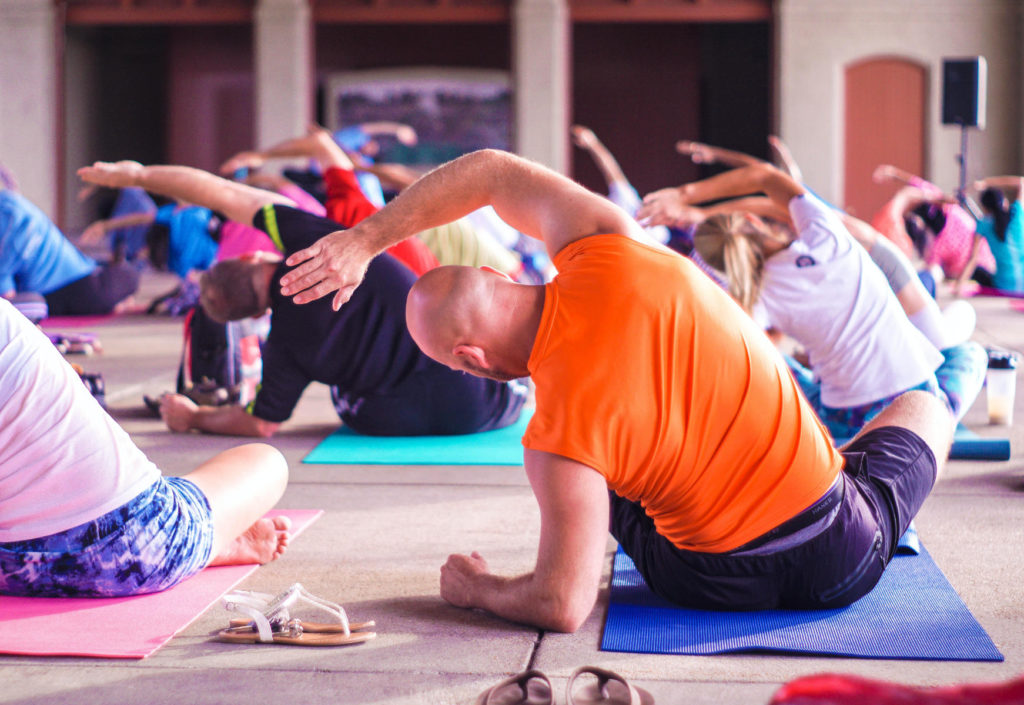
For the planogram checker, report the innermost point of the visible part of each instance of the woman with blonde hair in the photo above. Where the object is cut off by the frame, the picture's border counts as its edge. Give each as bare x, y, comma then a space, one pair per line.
816, 284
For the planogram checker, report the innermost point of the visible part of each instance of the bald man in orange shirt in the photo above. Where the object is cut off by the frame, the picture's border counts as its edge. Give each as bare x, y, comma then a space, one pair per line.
662, 411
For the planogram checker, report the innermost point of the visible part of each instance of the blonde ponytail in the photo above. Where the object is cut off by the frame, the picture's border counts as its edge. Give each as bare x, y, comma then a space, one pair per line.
732, 245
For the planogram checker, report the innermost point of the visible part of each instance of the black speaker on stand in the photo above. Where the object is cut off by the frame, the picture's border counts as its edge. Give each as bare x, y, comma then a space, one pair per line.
963, 102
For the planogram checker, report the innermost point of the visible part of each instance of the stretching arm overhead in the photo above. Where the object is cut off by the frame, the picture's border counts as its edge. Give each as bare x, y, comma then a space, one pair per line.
95, 231
316, 144
665, 205
237, 202
584, 138
529, 197
784, 158
702, 153
1002, 182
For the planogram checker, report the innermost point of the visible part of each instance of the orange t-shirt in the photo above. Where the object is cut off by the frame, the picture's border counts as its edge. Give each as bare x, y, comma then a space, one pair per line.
649, 373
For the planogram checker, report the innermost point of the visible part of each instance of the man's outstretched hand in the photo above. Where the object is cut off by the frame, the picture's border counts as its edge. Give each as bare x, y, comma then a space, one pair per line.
112, 174
335, 262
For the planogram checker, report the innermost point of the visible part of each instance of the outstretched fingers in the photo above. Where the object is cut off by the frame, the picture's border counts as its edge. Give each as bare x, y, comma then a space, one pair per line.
314, 279
113, 174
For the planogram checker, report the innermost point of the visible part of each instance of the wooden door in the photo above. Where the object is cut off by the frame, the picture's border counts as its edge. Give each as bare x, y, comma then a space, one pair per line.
885, 123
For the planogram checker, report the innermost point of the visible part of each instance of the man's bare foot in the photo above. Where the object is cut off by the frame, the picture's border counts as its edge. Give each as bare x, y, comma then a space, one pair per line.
262, 542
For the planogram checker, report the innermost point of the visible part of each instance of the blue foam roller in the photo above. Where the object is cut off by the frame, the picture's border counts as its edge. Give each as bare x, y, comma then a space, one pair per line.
980, 449
967, 445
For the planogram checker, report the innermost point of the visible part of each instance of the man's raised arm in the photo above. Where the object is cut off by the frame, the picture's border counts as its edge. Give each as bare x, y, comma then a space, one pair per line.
237, 202
529, 197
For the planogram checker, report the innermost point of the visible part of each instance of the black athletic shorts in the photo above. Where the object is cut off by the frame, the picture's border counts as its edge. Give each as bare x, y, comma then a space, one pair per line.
887, 475
433, 402
95, 293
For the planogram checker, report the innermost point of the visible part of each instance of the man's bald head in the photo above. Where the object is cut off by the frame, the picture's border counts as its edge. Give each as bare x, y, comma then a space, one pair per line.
466, 318
440, 307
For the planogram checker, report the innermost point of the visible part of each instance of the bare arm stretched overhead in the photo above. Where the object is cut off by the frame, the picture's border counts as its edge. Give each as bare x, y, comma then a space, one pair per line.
584, 138
316, 144
237, 202
785, 158
95, 231
1002, 182
668, 205
702, 153
526, 195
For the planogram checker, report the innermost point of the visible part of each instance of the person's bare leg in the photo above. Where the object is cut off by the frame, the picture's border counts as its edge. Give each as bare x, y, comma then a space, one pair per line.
242, 484
926, 416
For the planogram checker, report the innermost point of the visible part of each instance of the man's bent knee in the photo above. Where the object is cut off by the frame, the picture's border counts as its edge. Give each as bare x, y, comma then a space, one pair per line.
924, 414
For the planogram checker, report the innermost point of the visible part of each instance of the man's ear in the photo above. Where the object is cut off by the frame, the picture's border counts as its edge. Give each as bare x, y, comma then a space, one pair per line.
260, 256
473, 353
491, 270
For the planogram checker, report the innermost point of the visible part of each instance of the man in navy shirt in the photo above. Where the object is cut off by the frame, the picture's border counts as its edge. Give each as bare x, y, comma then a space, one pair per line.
382, 384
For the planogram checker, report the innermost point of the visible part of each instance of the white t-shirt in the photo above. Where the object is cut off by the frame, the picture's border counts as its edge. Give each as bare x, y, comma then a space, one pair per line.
63, 460
826, 293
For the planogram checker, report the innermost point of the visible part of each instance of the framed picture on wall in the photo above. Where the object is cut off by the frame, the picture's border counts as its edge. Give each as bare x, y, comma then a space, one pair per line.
453, 110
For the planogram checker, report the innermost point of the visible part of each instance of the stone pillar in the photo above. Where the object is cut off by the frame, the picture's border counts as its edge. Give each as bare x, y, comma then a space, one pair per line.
29, 78
284, 64
541, 46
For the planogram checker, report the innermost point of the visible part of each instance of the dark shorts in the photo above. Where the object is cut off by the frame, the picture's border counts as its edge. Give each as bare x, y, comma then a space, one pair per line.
435, 401
154, 541
95, 294
887, 475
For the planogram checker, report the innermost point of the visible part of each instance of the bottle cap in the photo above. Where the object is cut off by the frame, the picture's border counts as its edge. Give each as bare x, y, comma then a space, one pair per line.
1002, 360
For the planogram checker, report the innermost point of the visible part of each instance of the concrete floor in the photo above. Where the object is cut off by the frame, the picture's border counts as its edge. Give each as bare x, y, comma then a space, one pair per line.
386, 531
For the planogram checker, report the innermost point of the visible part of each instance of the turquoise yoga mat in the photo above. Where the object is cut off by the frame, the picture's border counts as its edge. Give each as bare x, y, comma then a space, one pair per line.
500, 447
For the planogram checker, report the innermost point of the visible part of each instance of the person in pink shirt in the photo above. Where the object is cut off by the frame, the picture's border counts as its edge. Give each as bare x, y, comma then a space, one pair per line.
948, 228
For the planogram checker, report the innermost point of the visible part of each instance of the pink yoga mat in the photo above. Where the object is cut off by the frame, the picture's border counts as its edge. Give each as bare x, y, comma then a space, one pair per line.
120, 627
989, 291
54, 322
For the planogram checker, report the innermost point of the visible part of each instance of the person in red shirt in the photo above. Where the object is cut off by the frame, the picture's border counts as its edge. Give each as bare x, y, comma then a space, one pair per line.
660, 406
346, 203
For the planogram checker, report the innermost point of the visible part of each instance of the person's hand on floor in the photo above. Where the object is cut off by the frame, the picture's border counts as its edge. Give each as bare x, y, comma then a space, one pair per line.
177, 411
458, 576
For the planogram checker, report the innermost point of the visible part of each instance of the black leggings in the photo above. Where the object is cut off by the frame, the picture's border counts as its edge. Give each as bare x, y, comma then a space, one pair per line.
433, 401
95, 293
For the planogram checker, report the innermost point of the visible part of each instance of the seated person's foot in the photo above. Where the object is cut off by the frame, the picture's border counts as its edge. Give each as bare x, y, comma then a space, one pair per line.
262, 542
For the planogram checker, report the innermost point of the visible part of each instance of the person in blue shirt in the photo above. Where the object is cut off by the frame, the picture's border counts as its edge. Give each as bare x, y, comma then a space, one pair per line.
1003, 229
36, 257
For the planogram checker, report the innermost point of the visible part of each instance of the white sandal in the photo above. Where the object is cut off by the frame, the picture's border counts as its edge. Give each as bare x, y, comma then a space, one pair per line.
270, 620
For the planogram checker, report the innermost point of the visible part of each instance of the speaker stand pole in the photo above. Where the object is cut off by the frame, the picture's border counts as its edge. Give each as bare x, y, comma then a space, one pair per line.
962, 160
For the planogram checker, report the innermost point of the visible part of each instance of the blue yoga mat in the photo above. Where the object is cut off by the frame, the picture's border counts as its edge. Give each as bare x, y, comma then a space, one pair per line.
500, 447
913, 613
